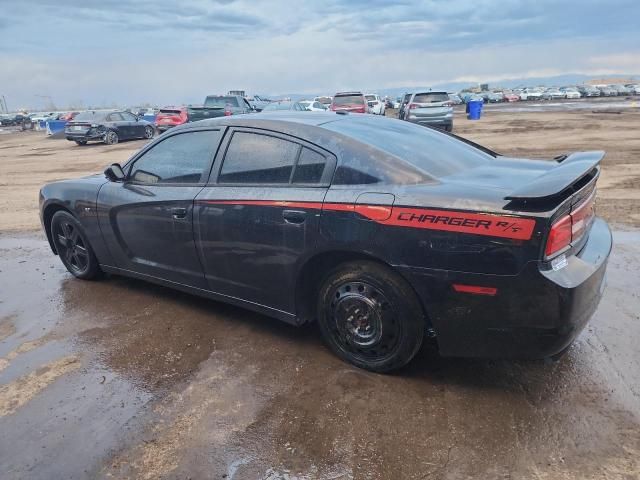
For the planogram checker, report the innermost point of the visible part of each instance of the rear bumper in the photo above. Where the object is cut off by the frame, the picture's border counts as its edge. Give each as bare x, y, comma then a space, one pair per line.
535, 314
86, 137
440, 122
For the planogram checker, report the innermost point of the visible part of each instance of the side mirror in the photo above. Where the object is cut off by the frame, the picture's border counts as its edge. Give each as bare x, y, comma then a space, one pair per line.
114, 172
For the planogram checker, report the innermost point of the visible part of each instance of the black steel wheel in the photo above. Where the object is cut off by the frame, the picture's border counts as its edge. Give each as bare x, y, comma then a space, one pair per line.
72, 246
370, 316
148, 132
111, 137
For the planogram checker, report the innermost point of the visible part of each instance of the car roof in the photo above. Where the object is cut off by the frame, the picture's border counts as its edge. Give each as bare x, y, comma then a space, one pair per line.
347, 93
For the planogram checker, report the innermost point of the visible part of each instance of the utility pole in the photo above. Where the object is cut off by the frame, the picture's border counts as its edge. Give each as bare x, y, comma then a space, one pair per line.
4, 104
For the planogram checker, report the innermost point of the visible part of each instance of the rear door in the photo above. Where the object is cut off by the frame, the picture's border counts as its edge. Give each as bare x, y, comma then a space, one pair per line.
147, 220
259, 215
116, 121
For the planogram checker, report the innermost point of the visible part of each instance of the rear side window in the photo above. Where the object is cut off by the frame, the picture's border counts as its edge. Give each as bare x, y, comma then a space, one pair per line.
431, 97
257, 158
310, 167
428, 151
348, 100
182, 158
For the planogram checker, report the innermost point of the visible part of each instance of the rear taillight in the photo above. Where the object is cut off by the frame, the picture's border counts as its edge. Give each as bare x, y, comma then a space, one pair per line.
570, 227
447, 104
227, 112
413, 105
559, 236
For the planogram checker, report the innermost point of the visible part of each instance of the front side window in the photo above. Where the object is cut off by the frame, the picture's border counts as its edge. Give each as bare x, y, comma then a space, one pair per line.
257, 158
180, 158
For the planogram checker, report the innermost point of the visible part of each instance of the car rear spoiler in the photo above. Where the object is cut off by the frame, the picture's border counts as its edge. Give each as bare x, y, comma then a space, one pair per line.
572, 169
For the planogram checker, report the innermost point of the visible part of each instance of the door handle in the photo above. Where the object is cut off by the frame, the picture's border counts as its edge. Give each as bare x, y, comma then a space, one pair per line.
294, 216
179, 213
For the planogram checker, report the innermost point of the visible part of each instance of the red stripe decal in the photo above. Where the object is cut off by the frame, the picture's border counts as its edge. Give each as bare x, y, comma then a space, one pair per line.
490, 225
477, 289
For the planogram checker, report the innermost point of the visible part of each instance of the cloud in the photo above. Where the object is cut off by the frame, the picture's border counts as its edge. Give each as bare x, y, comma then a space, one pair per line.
172, 52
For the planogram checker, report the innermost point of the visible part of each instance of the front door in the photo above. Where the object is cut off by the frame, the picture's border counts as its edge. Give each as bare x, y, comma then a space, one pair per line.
147, 220
256, 222
134, 128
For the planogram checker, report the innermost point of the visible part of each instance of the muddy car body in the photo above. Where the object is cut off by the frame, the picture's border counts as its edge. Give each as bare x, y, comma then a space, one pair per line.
381, 230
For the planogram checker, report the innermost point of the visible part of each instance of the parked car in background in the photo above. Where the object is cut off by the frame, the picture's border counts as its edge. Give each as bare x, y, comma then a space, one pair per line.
68, 116
273, 213
284, 105
313, 105
570, 92
455, 98
107, 127
433, 109
326, 101
552, 94
226, 105
510, 96
404, 101
169, 117
495, 97
634, 88
353, 102
375, 103
607, 91
258, 102
6, 120
531, 94
620, 89
588, 91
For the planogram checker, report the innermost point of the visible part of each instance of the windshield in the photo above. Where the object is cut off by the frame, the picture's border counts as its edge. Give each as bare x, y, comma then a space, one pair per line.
348, 100
433, 152
89, 116
221, 102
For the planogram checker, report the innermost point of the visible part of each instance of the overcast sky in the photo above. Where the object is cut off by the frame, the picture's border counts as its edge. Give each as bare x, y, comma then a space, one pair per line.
132, 51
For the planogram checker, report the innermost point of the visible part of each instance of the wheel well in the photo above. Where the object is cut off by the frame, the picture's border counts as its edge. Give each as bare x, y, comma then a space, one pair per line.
48, 214
314, 271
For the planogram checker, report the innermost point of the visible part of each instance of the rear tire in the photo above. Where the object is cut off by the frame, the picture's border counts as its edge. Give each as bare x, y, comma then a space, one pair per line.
370, 316
148, 132
72, 246
111, 138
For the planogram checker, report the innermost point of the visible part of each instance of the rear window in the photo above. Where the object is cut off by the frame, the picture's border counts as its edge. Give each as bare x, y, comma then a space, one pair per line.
170, 112
221, 102
431, 152
431, 97
348, 100
86, 116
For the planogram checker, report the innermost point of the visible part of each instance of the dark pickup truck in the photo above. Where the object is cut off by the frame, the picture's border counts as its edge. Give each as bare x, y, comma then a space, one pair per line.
220, 106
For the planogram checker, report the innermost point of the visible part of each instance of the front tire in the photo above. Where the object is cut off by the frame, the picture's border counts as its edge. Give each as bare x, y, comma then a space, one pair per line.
369, 316
72, 246
148, 132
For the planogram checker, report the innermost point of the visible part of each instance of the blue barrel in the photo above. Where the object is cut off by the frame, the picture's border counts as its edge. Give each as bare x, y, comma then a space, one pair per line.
475, 109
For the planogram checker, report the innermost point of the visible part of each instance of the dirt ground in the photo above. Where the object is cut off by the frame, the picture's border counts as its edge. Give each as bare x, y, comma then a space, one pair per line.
122, 379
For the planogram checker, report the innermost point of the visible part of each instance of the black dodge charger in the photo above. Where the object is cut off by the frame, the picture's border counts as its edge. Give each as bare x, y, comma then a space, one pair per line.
382, 231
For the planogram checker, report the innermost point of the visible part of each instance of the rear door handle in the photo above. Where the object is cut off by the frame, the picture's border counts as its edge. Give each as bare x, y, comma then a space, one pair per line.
294, 216
179, 213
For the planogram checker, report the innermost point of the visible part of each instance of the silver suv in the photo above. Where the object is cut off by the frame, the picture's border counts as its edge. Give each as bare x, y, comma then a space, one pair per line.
428, 108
